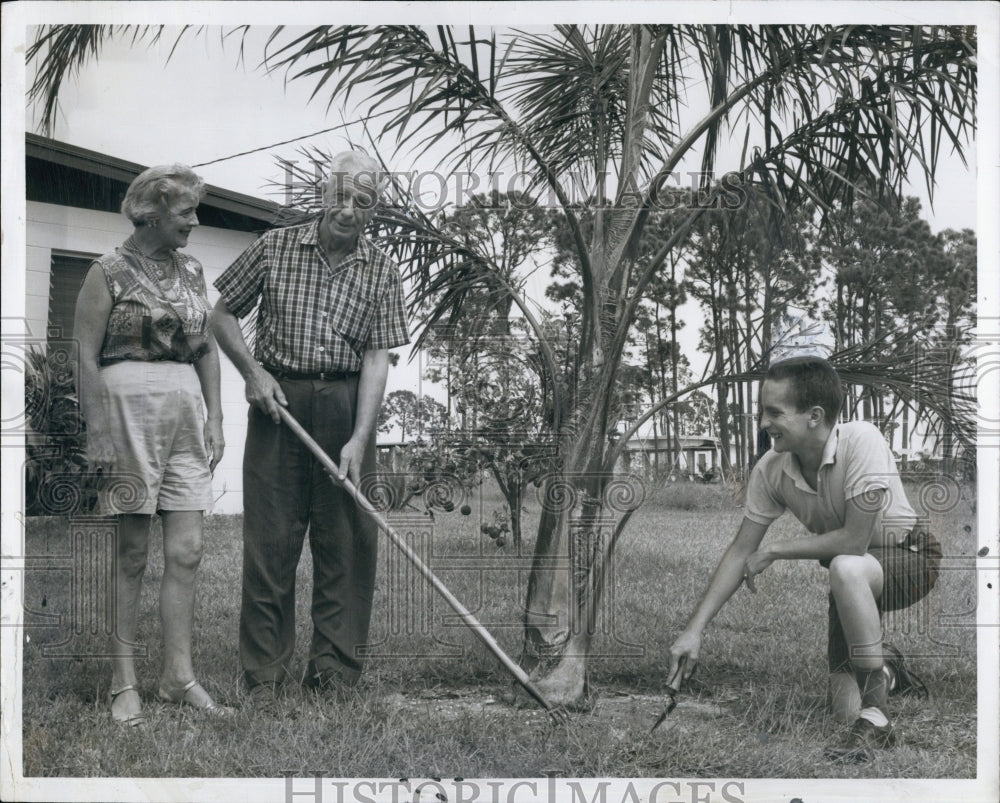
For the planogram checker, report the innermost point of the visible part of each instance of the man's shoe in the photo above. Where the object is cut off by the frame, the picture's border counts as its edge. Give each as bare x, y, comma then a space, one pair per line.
902, 680
328, 683
263, 698
329, 678
863, 740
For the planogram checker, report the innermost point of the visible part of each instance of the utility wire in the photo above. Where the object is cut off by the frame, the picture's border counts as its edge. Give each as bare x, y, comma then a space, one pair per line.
272, 145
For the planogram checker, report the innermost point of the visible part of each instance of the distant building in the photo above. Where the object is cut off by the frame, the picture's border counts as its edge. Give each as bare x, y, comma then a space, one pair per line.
688, 455
73, 200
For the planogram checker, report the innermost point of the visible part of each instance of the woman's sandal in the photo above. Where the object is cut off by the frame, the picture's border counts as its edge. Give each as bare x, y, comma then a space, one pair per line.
132, 720
180, 697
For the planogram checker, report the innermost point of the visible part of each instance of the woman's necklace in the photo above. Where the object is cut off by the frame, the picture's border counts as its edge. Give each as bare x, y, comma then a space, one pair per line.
170, 283
176, 289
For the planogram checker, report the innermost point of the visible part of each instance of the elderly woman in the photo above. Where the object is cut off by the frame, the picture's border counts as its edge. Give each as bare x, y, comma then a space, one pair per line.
148, 368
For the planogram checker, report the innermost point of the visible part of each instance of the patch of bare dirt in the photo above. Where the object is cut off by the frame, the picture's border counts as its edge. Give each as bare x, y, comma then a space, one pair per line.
623, 712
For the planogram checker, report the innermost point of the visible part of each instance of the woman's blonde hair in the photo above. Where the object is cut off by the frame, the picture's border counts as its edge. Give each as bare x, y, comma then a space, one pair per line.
151, 192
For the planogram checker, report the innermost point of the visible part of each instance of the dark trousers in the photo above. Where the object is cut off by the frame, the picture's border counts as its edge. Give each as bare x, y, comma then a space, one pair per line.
909, 575
287, 492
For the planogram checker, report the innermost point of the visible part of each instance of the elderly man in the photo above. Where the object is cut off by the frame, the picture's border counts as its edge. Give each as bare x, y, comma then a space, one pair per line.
331, 306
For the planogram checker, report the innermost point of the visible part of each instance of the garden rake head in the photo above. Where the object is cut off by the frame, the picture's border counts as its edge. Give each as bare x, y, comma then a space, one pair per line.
558, 714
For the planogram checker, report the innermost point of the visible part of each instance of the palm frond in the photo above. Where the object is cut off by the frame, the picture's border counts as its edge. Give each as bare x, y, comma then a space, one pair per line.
60, 51
919, 375
426, 95
820, 96
66, 49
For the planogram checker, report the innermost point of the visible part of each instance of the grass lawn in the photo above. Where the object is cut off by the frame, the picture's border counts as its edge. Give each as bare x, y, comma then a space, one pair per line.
430, 701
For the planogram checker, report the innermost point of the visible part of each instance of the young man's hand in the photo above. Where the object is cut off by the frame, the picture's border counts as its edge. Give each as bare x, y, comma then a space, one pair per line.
683, 658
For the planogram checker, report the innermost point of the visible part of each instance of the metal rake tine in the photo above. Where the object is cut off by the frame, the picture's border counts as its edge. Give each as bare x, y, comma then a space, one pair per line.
463, 613
559, 714
671, 705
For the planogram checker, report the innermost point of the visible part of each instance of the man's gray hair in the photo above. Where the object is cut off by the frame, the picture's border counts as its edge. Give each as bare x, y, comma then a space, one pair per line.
361, 167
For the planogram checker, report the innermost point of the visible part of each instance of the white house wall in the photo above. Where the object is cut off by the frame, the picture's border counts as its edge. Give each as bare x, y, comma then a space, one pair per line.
82, 231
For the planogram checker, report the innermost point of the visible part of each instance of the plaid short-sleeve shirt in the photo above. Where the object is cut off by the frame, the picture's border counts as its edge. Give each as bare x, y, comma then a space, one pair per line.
313, 318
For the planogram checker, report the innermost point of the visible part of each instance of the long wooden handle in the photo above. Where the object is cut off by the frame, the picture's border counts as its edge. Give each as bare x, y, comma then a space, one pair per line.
464, 614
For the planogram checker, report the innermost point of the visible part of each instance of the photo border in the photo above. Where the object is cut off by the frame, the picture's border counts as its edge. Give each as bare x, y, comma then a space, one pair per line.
17, 16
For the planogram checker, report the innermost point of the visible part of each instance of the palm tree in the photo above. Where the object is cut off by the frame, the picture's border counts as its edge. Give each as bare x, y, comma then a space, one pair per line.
817, 114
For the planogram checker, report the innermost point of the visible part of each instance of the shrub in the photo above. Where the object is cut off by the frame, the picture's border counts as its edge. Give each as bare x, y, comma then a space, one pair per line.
440, 477
56, 481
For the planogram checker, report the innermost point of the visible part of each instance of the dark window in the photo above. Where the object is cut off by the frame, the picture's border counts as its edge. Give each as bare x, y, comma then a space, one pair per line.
66, 278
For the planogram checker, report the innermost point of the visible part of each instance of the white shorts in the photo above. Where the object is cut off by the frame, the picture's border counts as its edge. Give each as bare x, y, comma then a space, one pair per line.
157, 420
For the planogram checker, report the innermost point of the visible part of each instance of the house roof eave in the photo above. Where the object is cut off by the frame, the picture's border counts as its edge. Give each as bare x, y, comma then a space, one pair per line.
120, 170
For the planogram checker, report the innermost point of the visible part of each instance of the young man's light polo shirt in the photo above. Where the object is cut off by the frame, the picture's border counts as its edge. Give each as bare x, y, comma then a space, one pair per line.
856, 459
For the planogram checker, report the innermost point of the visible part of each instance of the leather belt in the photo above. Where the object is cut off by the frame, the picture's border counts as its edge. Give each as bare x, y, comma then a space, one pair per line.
320, 376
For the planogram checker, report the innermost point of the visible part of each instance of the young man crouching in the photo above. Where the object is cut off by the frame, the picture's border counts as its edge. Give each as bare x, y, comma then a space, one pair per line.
841, 482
